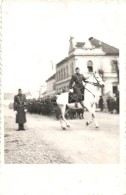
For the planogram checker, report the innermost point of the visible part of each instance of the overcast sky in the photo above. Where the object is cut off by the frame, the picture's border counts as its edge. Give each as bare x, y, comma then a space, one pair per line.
37, 32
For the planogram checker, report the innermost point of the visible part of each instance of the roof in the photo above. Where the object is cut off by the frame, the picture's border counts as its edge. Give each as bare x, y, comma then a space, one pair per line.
80, 44
95, 43
64, 60
108, 49
51, 78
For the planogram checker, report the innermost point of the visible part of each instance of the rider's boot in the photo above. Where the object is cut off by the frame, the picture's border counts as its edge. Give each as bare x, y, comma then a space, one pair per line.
76, 104
82, 105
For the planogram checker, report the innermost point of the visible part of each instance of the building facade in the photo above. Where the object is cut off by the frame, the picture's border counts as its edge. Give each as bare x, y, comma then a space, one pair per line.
92, 55
50, 89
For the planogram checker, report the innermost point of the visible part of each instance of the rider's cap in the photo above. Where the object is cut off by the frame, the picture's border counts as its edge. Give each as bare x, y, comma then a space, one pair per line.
77, 68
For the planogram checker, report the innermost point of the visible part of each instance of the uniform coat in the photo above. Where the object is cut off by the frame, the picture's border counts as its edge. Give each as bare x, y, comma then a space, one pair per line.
77, 79
20, 106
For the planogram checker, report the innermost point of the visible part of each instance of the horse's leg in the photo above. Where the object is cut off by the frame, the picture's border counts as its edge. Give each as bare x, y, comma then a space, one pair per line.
94, 116
62, 118
63, 115
91, 109
61, 122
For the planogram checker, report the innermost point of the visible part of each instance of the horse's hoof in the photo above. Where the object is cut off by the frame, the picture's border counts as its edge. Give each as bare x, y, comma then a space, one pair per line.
63, 128
96, 127
68, 126
87, 123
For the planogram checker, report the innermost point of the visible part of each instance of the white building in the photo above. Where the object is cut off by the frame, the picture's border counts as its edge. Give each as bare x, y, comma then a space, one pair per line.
42, 90
92, 55
50, 90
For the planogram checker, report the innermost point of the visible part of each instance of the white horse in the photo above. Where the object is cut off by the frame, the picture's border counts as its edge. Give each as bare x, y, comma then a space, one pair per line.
93, 81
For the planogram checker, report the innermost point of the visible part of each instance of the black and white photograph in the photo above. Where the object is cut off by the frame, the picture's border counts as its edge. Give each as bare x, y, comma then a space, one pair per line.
61, 82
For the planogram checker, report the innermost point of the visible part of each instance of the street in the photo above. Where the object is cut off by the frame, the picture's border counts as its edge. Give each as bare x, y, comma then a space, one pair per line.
44, 141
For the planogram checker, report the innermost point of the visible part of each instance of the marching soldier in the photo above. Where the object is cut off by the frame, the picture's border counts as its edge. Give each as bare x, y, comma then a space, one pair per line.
20, 109
77, 79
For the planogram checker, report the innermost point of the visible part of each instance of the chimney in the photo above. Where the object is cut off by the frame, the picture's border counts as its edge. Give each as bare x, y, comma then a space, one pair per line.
71, 45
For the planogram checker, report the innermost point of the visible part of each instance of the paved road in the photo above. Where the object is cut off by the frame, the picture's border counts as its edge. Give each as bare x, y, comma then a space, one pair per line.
45, 142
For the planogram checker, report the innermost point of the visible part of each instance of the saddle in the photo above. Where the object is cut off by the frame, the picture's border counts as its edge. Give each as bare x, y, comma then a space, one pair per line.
74, 97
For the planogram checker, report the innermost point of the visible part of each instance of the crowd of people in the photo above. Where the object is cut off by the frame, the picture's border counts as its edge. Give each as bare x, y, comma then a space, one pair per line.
48, 106
111, 103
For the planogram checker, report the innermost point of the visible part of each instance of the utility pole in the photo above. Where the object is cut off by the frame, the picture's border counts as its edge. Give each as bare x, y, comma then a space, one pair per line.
53, 66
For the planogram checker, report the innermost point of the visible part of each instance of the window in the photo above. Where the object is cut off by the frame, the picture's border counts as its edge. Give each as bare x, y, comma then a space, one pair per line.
114, 65
90, 66
115, 89
59, 74
72, 68
66, 70
54, 86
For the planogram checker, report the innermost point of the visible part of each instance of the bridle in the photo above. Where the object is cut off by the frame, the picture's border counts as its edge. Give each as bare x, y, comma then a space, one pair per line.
93, 83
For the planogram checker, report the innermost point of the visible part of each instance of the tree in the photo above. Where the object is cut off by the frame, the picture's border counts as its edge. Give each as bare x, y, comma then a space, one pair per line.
116, 68
101, 72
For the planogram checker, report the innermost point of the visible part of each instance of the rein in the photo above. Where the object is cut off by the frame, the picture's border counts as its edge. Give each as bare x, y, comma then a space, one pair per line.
90, 91
95, 84
92, 83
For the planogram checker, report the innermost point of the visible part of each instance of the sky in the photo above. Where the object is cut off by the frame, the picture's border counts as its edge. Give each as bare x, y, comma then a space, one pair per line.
35, 35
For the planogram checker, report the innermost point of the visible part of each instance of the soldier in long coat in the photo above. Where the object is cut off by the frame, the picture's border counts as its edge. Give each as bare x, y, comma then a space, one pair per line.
20, 108
77, 79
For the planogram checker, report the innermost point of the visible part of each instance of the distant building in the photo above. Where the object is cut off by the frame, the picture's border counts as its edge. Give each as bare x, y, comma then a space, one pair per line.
9, 97
42, 91
50, 90
92, 55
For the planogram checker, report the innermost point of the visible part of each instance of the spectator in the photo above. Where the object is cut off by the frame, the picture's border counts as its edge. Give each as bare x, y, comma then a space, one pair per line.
108, 103
20, 104
101, 103
117, 102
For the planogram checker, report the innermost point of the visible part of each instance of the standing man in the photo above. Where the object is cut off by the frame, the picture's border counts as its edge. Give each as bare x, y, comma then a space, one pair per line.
101, 103
20, 109
78, 87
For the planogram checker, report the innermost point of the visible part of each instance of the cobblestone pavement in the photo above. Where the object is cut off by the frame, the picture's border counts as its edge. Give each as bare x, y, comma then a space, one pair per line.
45, 142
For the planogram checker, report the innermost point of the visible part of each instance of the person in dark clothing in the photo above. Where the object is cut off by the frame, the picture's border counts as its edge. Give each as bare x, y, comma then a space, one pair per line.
117, 102
101, 103
20, 104
108, 103
77, 79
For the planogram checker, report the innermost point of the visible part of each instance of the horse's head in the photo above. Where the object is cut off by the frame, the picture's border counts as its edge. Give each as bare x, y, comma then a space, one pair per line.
98, 79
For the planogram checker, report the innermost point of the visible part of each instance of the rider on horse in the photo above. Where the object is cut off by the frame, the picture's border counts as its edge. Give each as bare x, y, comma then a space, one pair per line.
77, 79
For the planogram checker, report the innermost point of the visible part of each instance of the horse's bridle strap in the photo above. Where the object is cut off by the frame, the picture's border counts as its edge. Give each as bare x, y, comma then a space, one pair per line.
90, 92
95, 84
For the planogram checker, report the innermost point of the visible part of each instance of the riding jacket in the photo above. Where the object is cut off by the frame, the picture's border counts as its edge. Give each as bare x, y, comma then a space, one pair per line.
78, 79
